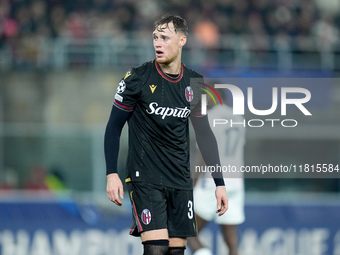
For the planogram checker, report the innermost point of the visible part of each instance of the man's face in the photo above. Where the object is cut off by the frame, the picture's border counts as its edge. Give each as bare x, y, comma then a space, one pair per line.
167, 43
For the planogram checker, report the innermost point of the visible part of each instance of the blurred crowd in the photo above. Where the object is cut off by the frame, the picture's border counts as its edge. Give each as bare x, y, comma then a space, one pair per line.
28, 27
93, 18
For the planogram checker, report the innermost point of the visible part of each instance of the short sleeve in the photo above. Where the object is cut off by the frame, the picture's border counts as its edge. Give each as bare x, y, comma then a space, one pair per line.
127, 92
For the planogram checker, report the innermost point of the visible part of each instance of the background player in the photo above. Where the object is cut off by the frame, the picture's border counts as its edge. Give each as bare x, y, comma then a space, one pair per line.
156, 99
231, 142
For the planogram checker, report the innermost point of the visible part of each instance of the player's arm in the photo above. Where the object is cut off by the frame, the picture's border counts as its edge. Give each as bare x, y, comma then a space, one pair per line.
114, 187
123, 105
207, 145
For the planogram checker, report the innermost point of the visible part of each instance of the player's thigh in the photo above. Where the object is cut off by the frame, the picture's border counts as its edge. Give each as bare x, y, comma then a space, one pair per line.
158, 234
181, 214
177, 242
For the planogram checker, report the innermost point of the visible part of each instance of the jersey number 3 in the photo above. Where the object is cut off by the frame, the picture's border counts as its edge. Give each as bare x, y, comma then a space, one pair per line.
191, 212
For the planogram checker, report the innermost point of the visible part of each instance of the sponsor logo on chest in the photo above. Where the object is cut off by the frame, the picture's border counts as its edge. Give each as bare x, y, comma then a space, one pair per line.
178, 112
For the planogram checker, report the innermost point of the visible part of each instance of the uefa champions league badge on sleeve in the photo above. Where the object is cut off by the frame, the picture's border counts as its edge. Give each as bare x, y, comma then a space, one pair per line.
121, 87
146, 216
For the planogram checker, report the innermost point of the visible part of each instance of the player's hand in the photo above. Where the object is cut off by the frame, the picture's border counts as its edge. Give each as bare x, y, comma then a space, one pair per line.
114, 189
222, 200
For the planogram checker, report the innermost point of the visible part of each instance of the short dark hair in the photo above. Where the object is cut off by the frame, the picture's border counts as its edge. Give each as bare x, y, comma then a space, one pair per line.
180, 25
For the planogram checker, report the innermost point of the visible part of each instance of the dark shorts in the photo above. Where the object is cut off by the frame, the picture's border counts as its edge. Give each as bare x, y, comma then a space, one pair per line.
156, 207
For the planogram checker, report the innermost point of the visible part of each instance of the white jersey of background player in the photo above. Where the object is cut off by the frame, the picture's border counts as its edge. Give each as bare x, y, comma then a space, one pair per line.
231, 141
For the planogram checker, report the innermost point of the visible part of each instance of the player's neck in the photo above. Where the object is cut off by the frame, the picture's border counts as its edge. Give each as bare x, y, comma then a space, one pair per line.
172, 68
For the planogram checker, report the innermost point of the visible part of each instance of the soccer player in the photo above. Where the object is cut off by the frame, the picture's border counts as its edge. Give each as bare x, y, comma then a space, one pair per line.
231, 140
156, 100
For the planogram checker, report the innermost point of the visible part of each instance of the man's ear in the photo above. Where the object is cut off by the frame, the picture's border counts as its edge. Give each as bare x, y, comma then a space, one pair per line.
183, 40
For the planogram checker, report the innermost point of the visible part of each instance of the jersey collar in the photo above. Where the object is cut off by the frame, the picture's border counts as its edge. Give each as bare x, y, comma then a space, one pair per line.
167, 77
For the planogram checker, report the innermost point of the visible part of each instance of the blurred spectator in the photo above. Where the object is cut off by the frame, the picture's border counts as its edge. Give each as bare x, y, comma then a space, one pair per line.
326, 33
40, 22
9, 180
37, 179
8, 25
41, 179
58, 17
207, 33
75, 26
55, 180
256, 28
